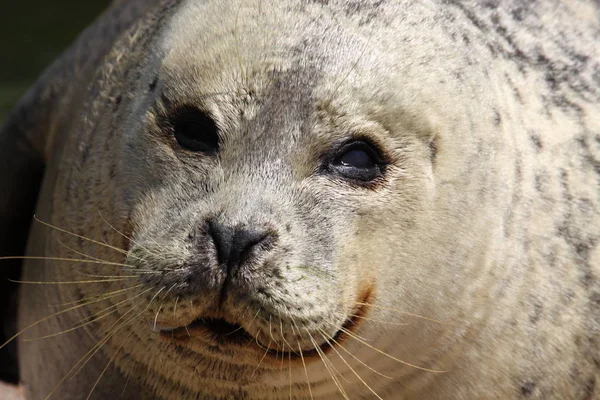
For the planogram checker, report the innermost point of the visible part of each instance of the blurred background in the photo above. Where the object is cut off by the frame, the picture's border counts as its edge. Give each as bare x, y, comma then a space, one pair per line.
32, 34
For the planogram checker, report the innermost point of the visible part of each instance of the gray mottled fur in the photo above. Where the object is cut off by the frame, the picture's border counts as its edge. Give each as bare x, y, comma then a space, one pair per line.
487, 218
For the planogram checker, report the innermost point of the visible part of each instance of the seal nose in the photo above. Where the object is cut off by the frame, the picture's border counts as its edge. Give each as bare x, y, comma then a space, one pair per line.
235, 245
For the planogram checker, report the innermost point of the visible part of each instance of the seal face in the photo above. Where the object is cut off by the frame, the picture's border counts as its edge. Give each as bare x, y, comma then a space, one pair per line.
319, 199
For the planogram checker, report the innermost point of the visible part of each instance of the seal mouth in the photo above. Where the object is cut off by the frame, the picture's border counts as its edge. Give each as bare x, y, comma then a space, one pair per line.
220, 332
217, 329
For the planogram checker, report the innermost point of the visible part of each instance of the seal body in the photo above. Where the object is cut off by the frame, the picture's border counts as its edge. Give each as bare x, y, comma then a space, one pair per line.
314, 199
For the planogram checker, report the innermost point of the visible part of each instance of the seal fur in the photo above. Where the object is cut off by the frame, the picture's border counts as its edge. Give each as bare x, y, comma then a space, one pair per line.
485, 219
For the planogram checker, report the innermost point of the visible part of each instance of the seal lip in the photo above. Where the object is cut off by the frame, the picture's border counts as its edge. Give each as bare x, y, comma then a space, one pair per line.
217, 332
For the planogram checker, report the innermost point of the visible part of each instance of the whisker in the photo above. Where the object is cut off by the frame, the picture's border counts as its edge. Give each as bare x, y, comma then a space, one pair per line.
95, 317
138, 273
283, 337
160, 308
249, 325
255, 315
261, 360
303, 362
108, 364
175, 306
79, 236
349, 333
67, 282
71, 329
88, 356
237, 45
284, 341
241, 327
125, 387
290, 369
129, 238
103, 261
352, 68
327, 367
355, 334
402, 312
356, 358
77, 252
351, 369
79, 272
103, 296
282, 355
45, 319
377, 321
271, 332
110, 334
108, 263
234, 331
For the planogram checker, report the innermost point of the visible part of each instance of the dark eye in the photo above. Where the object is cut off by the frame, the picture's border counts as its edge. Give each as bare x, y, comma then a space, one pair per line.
357, 158
358, 161
195, 130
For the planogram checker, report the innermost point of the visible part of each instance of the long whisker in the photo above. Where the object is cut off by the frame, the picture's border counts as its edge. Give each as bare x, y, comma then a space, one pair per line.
78, 260
351, 369
282, 354
76, 251
98, 317
110, 334
289, 353
103, 296
327, 367
255, 315
303, 362
238, 47
129, 238
356, 358
255, 338
160, 308
175, 306
402, 312
241, 327
125, 387
79, 236
261, 360
87, 256
271, 332
290, 369
108, 364
377, 321
352, 68
138, 273
95, 317
16, 335
68, 282
349, 333
85, 357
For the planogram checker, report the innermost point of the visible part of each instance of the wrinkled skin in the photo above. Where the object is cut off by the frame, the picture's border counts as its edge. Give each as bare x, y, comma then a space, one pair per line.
467, 268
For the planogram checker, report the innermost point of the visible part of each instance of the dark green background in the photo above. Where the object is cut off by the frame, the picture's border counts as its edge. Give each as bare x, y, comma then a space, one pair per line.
32, 34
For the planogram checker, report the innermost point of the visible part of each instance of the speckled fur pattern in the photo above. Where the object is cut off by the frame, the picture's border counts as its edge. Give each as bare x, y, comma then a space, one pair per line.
486, 221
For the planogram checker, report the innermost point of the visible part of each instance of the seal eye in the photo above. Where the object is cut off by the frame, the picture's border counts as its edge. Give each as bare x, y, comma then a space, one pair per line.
358, 161
195, 130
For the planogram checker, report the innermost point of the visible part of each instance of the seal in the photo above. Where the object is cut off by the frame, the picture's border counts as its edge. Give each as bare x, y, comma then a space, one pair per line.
312, 199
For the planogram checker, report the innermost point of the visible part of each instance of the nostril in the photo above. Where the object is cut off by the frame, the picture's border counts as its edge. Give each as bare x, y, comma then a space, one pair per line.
234, 245
244, 241
222, 236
